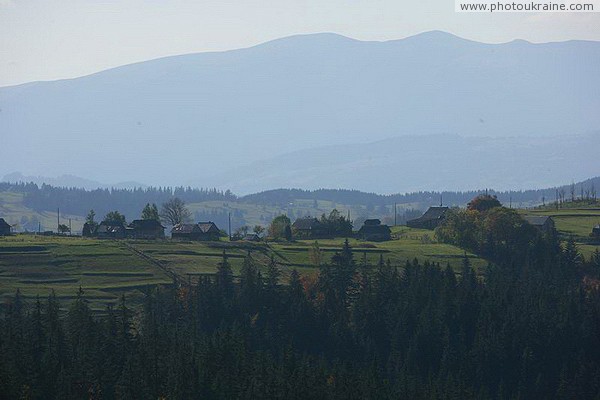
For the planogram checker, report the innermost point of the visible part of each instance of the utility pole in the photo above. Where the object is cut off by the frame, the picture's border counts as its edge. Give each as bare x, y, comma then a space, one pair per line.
395, 214
70, 227
229, 226
58, 220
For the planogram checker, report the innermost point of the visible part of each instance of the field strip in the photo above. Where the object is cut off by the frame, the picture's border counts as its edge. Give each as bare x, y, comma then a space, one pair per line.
172, 274
118, 274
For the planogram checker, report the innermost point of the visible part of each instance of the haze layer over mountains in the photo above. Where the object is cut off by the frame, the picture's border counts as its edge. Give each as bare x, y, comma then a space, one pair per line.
432, 111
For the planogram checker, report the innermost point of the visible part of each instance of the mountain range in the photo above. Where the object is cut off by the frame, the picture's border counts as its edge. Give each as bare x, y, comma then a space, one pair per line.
432, 111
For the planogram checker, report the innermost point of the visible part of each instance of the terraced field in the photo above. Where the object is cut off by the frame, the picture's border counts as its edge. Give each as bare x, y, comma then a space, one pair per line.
407, 244
103, 269
107, 269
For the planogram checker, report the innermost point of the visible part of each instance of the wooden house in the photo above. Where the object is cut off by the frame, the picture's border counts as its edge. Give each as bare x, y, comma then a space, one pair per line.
308, 228
542, 222
145, 229
4, 227
430, 220
200, 231
373, 230
111, 230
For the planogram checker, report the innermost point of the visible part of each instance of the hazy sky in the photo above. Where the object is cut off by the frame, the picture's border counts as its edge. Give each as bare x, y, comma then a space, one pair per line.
53, 39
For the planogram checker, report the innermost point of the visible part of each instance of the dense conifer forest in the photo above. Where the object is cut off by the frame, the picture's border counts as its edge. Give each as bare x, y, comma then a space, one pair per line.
527, 328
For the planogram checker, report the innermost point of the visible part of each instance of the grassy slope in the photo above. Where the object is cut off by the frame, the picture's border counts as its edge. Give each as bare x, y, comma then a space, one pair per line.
576, 223
13, 210
104, 269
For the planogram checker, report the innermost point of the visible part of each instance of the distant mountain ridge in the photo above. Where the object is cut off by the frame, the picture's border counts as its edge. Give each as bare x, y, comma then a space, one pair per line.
68, 181
424, 163
188, 118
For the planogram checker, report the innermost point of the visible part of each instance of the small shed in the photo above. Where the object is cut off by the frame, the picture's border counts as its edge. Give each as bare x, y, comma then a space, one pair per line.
430, 220
596, 231
374, 230
4, 227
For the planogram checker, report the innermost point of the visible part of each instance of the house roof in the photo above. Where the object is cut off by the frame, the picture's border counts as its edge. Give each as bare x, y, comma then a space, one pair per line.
200, 227
306, 223
4, 224
372, 222
184, 228
537, 220
145, 224
206, 227
110, 227
433, 213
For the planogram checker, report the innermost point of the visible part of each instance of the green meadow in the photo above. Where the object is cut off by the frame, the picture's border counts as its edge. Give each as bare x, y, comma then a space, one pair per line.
576, 223
103, 269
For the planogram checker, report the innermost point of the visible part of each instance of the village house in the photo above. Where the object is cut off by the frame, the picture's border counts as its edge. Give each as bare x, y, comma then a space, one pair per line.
307, 228
373, 230
200, 231
430, 220
111, 230
541, 222
4, 227
145, 229
596, 231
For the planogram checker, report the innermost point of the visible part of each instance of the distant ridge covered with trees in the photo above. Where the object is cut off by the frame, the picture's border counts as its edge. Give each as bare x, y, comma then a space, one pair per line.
128, 201
356, 197
79, 201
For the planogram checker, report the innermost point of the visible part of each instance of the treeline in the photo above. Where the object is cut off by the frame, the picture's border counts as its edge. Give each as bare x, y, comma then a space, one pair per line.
79, 201
128, 201
523, 330
282, 197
